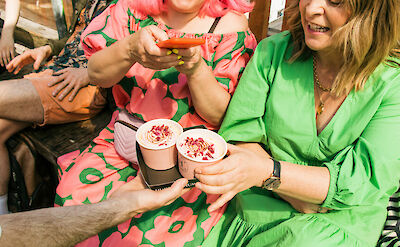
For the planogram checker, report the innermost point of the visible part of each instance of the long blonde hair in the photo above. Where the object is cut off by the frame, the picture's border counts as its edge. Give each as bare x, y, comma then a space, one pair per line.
370, 37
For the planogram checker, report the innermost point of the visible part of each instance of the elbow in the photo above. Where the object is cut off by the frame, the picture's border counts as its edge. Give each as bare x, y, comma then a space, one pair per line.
95, 75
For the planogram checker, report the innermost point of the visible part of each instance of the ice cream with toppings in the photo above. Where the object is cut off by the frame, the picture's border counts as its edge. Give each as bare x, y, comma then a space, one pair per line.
159, 135
198, 147
157, 140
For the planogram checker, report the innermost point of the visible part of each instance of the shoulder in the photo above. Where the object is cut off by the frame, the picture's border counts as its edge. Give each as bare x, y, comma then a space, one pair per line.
232, 22
274, 45
278, 40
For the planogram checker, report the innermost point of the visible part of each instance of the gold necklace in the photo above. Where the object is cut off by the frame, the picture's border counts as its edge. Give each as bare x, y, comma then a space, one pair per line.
321, 106
316, 77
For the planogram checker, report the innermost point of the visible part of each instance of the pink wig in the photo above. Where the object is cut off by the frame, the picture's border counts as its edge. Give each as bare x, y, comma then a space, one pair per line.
213, 8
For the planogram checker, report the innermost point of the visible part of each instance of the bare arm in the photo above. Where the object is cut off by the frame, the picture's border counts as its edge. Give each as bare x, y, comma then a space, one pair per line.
230, 176
67, 226
308, 183
64, 226
7, 34
108, 66
209, 99
12, 14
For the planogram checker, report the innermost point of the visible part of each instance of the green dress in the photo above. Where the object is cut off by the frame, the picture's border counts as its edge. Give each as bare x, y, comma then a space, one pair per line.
274, 105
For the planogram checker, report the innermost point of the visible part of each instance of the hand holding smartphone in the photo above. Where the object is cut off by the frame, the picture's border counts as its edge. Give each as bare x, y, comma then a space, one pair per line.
180, 43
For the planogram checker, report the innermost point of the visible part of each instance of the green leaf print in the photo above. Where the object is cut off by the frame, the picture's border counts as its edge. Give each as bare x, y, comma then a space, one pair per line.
86, 201
176, 226
126, 173
183, 108
69, 167
107, 190
224, 81
58, 200
169, 76
109, 41
90, 171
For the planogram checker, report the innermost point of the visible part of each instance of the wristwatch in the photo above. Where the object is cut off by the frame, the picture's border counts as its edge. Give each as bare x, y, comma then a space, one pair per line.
274, 181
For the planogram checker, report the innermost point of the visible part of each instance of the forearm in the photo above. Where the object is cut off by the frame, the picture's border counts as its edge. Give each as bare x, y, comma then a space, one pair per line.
209, 99
12, 13
108, 66
64, 226
56, 45
306, 183
11, 17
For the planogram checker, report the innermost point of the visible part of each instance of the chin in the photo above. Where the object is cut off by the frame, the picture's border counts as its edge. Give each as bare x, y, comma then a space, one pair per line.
317, 45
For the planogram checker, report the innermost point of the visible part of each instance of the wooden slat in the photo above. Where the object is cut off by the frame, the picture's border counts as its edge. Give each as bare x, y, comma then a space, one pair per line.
52, 141
259, 18
37, 17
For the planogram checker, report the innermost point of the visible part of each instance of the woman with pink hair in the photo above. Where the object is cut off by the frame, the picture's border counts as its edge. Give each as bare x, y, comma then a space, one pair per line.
192, 86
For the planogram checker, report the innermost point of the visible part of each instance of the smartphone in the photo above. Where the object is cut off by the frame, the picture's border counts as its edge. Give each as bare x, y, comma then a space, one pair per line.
180, 43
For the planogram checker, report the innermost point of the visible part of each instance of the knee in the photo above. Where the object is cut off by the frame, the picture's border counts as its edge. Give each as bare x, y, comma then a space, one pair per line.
7, 129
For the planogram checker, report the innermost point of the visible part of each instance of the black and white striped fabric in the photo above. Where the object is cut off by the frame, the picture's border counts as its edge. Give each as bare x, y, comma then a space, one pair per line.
391, 232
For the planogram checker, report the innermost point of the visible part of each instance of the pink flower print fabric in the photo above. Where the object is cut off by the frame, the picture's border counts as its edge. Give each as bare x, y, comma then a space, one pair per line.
148, 94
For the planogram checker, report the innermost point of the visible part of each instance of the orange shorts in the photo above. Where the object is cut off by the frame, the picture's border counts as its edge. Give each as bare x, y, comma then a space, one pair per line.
88, 102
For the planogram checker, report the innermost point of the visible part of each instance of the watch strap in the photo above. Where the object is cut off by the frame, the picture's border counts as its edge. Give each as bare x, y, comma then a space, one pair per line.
277, 169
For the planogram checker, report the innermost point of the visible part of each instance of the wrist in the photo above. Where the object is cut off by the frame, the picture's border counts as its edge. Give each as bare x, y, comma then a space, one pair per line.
274, 181
7, 32
266, 172
122, 208
197, 70
130, 48
48, 50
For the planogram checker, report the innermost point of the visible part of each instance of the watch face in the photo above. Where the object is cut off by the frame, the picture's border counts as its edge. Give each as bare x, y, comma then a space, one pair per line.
272, 183
275, 184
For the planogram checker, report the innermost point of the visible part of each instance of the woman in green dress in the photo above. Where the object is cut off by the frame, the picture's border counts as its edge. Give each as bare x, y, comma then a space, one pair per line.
316, 122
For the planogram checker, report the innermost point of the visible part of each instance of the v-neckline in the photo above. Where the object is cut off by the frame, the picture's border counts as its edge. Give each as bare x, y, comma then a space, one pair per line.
314, 115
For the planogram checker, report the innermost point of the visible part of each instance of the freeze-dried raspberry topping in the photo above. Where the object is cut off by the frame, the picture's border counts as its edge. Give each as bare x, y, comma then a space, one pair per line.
159, 135
198, 148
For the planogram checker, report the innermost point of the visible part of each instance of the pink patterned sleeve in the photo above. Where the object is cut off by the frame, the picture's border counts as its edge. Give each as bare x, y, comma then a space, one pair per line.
110, 26
231, 56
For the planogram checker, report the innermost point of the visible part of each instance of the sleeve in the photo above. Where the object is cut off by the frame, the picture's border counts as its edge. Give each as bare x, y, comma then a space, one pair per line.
230, 58
57, 45
368, 171
391, 231
115, 23
244, 118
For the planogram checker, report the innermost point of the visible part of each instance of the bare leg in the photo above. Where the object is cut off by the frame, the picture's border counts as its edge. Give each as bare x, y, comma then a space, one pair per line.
7, 129
20, 101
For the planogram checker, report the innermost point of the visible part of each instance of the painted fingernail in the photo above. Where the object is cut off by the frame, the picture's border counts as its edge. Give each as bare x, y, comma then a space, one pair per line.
181, 62
169, 52
175, 51
179, 57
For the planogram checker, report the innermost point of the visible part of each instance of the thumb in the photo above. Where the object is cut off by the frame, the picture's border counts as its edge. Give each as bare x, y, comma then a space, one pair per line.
172, 192
37, 63
233, 149
157, 33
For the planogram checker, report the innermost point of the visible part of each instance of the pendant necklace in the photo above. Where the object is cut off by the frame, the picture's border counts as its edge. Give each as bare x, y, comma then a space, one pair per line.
321, 105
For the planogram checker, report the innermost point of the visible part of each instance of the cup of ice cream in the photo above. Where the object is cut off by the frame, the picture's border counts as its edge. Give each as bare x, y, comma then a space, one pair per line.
156, 139
199, 147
